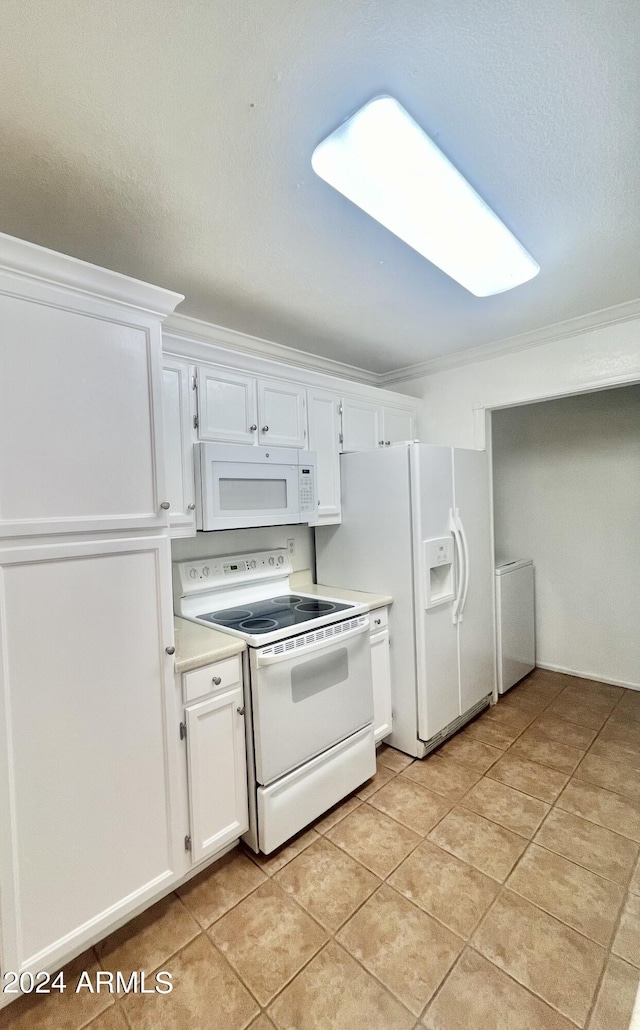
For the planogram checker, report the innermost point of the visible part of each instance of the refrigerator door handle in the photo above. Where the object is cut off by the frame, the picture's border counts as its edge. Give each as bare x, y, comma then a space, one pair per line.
465, 549
453, 525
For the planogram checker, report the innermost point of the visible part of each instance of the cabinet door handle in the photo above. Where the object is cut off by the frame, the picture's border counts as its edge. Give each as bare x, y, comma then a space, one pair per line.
265, 429
387, 443
377, 621
165, 505
380, 443
191, 507
217, 680
253, 428
240, 710
170, 650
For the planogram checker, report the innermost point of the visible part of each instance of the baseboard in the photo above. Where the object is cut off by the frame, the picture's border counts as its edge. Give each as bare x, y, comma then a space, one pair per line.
588, 676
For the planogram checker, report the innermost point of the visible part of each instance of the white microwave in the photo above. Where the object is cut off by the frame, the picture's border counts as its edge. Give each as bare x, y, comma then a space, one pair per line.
239, 486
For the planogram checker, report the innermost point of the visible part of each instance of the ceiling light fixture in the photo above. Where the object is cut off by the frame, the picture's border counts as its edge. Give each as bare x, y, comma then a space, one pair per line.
381, 160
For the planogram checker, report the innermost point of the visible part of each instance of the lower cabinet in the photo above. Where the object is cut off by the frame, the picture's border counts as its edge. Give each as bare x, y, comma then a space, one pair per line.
381, 672
214, 732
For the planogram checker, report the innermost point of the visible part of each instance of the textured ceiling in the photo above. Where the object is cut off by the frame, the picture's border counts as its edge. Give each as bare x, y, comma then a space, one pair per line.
171, 140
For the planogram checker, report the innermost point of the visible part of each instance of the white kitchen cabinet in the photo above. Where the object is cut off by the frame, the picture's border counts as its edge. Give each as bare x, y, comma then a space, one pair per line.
227, 406
324, 438
178, 411
217, 763
282, 414
398, 424
381, 673
361, 424
87, 780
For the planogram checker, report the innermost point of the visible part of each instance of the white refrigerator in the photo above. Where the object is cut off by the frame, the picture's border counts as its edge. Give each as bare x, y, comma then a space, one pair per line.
416, 524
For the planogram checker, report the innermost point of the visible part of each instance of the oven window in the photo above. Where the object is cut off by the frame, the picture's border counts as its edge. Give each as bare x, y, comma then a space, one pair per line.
253, 494
318, 674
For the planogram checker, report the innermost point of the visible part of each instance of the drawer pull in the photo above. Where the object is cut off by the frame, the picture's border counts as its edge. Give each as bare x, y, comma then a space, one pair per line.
217, 680
377, 621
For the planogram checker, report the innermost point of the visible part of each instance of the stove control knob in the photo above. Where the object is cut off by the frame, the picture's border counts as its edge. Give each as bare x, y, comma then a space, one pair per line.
280, 559
206, 570
193, 573
272, 560
252, 564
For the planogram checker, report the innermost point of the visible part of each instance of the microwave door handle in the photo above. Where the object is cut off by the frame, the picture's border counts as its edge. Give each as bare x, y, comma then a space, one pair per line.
298, 652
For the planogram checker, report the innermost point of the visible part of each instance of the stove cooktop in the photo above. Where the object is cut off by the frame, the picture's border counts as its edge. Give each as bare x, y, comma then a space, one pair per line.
275, 613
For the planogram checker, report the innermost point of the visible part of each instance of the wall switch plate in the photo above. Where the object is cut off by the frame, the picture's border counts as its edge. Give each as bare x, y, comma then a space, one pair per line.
291, 545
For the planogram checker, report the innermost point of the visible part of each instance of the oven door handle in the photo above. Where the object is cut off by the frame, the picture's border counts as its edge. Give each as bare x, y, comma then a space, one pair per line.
287, 655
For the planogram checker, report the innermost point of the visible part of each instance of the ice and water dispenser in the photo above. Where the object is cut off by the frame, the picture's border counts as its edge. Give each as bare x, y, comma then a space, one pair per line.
439, 578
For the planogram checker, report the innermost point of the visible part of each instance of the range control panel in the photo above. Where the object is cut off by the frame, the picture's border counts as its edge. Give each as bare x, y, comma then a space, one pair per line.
213, 573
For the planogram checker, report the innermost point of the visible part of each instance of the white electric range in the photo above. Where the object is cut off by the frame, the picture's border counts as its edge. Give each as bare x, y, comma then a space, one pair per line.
308, 672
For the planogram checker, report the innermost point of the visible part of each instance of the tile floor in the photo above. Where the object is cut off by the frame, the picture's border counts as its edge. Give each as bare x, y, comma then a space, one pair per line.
495, 884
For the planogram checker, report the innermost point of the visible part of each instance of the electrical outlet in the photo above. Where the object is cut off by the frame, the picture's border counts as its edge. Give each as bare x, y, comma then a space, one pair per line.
291, 545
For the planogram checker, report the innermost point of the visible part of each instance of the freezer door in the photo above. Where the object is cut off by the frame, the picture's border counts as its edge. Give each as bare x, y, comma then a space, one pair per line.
476, 632
436, 633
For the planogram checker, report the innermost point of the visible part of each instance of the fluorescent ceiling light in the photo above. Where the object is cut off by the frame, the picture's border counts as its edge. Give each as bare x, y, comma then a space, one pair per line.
382, 161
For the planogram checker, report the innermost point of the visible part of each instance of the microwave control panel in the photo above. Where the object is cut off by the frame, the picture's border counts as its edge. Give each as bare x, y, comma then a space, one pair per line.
307, 488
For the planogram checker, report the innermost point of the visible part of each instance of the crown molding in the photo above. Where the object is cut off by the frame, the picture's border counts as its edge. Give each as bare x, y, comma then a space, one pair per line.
231, 339
626, 312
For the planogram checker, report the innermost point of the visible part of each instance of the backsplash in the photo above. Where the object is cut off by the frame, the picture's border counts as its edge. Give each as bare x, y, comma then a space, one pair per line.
237, 541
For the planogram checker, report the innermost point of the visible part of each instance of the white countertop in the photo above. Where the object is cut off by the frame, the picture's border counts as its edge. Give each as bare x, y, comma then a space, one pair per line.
198, 645
342, 594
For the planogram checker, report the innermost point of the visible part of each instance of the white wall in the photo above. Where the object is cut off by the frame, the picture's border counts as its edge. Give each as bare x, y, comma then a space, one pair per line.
236, 541
589, 360
567, 494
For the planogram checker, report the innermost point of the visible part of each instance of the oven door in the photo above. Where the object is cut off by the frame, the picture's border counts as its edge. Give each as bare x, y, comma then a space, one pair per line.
239, 487
308, 693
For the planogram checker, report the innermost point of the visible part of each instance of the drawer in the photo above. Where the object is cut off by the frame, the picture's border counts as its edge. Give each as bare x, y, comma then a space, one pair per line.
378, 619
203, 681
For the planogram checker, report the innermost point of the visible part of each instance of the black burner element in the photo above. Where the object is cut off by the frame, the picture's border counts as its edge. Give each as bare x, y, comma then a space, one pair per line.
283, 612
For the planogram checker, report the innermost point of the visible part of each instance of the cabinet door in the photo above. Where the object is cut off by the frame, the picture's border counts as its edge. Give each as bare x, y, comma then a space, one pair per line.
217, 772
282, 414
87, 764
178, 446
80, 419
361, 425
227, 409
324, 439
397, 425
381, 672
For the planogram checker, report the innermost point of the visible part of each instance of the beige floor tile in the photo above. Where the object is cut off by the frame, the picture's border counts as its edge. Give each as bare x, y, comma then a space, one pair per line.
112, 1019
467, 751
547, 752
512, 720
550, 727
261, 1023
502, 804
335, 814
576, 711
334, 992
220, 887
479, 996
589, 845
149, 940
634, 886
443, 776
55, 1011
596, 688
629, 706
327, 882
488, 733
627, 939
445, 886
393, 759
537, 780
382, 776
407, 950
614, 1004
611, 775
206, 992
488, 847
540, 685
576, 896
616, 753
624, 732
555, 962
592, 697
267, 938
374, 839
603, 807
525, 700
410, 804
279, 858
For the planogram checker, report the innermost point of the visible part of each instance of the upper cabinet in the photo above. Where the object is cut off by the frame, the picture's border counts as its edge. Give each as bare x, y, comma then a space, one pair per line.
236, 408
398, 424
178, 409
324, 438
366, 424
